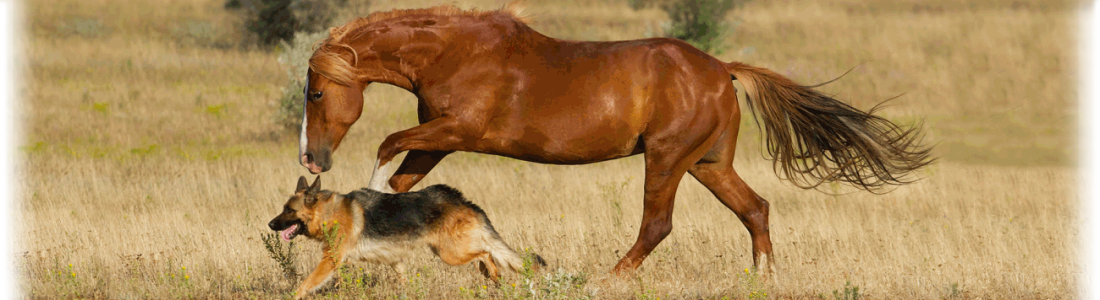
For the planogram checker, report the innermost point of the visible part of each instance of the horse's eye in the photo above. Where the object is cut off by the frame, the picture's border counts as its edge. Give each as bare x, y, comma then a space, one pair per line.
317, 95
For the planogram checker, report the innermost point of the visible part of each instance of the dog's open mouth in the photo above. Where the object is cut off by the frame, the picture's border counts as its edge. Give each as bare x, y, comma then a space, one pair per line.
289, 232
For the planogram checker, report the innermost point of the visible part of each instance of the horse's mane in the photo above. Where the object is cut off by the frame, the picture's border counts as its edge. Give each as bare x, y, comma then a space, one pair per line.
328, 61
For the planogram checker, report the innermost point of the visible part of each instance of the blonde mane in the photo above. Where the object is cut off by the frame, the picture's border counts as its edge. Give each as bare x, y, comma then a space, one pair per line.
330, 59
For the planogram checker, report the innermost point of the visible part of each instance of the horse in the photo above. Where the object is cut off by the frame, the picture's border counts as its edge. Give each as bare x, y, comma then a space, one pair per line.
486, 82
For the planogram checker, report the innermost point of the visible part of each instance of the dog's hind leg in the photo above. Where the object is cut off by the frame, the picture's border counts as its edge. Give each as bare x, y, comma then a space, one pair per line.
488, 267
459, 251
455, 257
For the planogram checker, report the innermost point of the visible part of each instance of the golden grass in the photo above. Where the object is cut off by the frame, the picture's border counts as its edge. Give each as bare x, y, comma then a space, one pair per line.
992, 231
149, 158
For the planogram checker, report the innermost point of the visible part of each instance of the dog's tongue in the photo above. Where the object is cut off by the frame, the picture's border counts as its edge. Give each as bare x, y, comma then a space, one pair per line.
288, 233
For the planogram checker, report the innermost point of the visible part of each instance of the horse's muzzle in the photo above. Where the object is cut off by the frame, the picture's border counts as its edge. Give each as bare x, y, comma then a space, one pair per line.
316, 164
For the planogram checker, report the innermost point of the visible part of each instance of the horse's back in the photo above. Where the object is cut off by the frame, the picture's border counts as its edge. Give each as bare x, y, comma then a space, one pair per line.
581, 102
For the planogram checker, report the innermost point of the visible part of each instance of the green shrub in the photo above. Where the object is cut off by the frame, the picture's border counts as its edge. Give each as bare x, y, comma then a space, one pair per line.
295, 58
274, 21
306, 21
850, 292
701, 23
283, 253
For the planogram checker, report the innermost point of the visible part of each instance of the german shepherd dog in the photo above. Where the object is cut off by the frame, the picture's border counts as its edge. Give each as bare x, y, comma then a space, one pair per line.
379, 227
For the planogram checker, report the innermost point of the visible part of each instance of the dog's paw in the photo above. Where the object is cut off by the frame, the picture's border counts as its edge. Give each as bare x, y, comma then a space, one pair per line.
300, 294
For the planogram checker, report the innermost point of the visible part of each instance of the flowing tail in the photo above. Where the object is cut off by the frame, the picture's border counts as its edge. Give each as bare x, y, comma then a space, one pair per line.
813, 138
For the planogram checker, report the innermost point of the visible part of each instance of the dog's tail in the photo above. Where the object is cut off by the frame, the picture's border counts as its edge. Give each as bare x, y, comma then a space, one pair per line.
504, 256
507, 258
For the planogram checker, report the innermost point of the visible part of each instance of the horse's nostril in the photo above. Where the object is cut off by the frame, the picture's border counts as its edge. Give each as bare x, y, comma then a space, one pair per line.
309, 157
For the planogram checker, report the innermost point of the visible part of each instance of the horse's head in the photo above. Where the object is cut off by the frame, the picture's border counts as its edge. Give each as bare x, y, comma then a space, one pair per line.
338, 74
330, 109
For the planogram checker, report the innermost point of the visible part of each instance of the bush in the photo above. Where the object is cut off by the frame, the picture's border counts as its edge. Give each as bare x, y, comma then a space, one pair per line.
284, 255
312, 16
701, 23
275, 21
295, 57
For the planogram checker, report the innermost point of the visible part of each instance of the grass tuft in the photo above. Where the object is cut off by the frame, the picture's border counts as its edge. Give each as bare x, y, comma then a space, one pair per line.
282, 253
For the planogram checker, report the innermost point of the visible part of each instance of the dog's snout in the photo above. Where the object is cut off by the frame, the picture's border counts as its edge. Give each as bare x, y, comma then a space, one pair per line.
271, 225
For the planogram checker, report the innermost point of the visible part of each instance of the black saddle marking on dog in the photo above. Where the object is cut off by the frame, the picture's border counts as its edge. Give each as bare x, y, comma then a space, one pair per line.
409, 214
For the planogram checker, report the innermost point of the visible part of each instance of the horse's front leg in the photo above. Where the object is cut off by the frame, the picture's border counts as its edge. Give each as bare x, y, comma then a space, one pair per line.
416, 165
431, 141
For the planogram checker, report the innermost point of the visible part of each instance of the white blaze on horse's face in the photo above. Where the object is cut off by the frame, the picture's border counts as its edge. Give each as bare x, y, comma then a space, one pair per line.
303, 141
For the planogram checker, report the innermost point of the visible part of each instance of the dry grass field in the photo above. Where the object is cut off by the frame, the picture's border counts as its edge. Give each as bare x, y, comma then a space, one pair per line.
152, 162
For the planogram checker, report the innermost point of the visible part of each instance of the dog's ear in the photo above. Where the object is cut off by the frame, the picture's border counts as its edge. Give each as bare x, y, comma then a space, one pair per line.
302, 185
316, 187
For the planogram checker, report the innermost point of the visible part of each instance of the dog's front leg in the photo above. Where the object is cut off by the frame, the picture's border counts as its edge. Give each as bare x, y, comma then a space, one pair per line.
401, 277
400, 268
321, 274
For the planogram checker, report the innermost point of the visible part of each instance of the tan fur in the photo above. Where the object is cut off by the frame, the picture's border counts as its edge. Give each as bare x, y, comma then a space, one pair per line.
461, 238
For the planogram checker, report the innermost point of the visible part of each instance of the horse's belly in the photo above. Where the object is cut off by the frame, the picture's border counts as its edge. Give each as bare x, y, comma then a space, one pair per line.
571, 126
565, 144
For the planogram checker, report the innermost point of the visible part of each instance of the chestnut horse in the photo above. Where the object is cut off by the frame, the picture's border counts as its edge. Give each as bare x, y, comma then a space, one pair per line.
488, 83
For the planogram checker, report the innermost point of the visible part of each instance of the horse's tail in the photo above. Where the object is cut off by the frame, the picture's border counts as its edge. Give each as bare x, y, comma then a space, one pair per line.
813, 138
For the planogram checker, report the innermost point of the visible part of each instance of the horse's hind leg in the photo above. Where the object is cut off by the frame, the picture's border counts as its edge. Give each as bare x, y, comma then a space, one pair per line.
664, 167
720, 178
743, 201
661, 181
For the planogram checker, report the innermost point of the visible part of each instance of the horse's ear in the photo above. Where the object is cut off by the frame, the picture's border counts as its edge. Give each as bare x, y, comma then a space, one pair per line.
302, 185
316, 187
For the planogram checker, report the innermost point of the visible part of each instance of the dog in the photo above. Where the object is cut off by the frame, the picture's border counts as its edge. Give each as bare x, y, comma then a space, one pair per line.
379, 227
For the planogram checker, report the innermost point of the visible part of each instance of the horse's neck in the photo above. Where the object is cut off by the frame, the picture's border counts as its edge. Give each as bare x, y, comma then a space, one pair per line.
390, 77
379, 60
408, 57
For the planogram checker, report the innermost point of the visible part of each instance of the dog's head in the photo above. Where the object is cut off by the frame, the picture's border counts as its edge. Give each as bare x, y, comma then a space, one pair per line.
300, 209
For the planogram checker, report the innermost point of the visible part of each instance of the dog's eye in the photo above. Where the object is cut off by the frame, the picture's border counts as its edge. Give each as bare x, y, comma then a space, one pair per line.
316, 96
